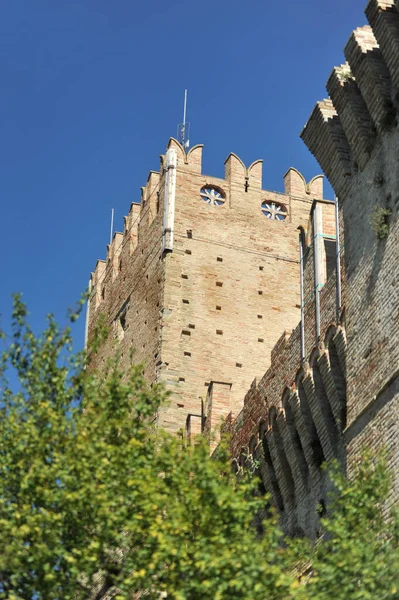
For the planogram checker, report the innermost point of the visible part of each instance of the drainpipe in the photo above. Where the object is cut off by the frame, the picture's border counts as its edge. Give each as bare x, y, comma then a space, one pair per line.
169, 200
87, 314
338, 258
318, 261
301, 240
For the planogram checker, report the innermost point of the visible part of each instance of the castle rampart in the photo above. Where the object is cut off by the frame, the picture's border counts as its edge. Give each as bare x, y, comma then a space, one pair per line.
342, 394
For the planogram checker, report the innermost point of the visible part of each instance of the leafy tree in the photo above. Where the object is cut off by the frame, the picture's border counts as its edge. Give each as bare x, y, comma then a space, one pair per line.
358, 557
96, 502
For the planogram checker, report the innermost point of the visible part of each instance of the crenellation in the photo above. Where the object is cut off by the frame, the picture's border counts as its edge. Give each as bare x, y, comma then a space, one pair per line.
371, 73
353, 113
324, 136
384, 19
315, 187
194, 158
254, 174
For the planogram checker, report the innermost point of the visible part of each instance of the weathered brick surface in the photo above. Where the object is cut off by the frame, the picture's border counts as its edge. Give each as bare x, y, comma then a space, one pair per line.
212, 309
218, 312
371, 262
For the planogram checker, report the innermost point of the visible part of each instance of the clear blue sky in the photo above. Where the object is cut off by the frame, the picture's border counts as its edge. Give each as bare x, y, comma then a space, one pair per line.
91, 90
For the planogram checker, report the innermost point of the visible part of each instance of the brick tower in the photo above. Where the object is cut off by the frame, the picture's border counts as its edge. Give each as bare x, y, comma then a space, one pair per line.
203, 281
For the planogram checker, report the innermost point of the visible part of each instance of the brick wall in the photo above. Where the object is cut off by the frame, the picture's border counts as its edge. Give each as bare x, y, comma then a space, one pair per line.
212, 309
354, 136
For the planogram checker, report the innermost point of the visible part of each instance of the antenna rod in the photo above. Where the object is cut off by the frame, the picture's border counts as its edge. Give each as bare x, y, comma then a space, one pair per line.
112, 226
183, 129
185, 107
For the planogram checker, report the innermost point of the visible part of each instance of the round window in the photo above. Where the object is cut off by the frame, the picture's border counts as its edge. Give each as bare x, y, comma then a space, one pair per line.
212, 196
274, 210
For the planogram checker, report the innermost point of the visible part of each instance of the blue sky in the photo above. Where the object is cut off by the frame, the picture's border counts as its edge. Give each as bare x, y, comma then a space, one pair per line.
91, 90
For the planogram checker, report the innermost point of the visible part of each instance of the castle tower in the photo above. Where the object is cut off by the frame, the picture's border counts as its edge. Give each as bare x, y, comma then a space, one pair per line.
202, 281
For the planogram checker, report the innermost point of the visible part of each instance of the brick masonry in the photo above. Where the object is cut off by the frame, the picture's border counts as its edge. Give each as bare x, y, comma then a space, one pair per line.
345, 395
210, 311
216, 319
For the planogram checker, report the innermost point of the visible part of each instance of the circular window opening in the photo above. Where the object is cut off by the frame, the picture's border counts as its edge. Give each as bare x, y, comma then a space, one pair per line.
274, 210
212, 196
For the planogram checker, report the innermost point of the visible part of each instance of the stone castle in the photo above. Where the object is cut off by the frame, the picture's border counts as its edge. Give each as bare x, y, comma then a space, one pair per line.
275, 315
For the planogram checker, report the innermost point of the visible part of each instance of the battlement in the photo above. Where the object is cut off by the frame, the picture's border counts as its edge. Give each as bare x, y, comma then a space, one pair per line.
354, 135
343, 130
238, 178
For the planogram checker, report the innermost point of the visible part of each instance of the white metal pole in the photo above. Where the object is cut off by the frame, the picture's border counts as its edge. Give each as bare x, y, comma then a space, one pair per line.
112, 226
338, 259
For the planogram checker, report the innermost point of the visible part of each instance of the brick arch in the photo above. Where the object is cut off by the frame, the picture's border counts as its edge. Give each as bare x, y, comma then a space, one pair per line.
272, 415
326, 409
271, 482
337, 372
242, 459
253, 442
314, 440
284, 472
234, 466
295, 438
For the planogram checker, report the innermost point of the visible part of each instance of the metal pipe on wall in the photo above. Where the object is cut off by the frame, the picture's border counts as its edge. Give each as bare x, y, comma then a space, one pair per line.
169, 200
87, 315
338, 263
317, 261
301, 241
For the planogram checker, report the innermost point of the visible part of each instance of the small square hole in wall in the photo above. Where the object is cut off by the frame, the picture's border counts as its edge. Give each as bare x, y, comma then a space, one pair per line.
185, 332
180, 405
260, 340
187, 354
219, 259
219, 332
218, 308
188, 252
189, 233
261, 268
181, 379
219, 284
191, 326
239, 365
184, 276
260, 292
206, 384
185, 301
260, 316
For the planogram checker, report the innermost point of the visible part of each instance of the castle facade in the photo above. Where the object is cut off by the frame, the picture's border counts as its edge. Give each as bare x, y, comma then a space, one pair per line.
276, 314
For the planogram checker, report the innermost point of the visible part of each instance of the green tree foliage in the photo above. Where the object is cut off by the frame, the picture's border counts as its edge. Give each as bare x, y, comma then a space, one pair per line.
96, 502
358, 557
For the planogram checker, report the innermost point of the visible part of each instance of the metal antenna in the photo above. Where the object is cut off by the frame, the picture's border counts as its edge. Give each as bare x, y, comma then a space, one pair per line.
112, 226
185, 126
